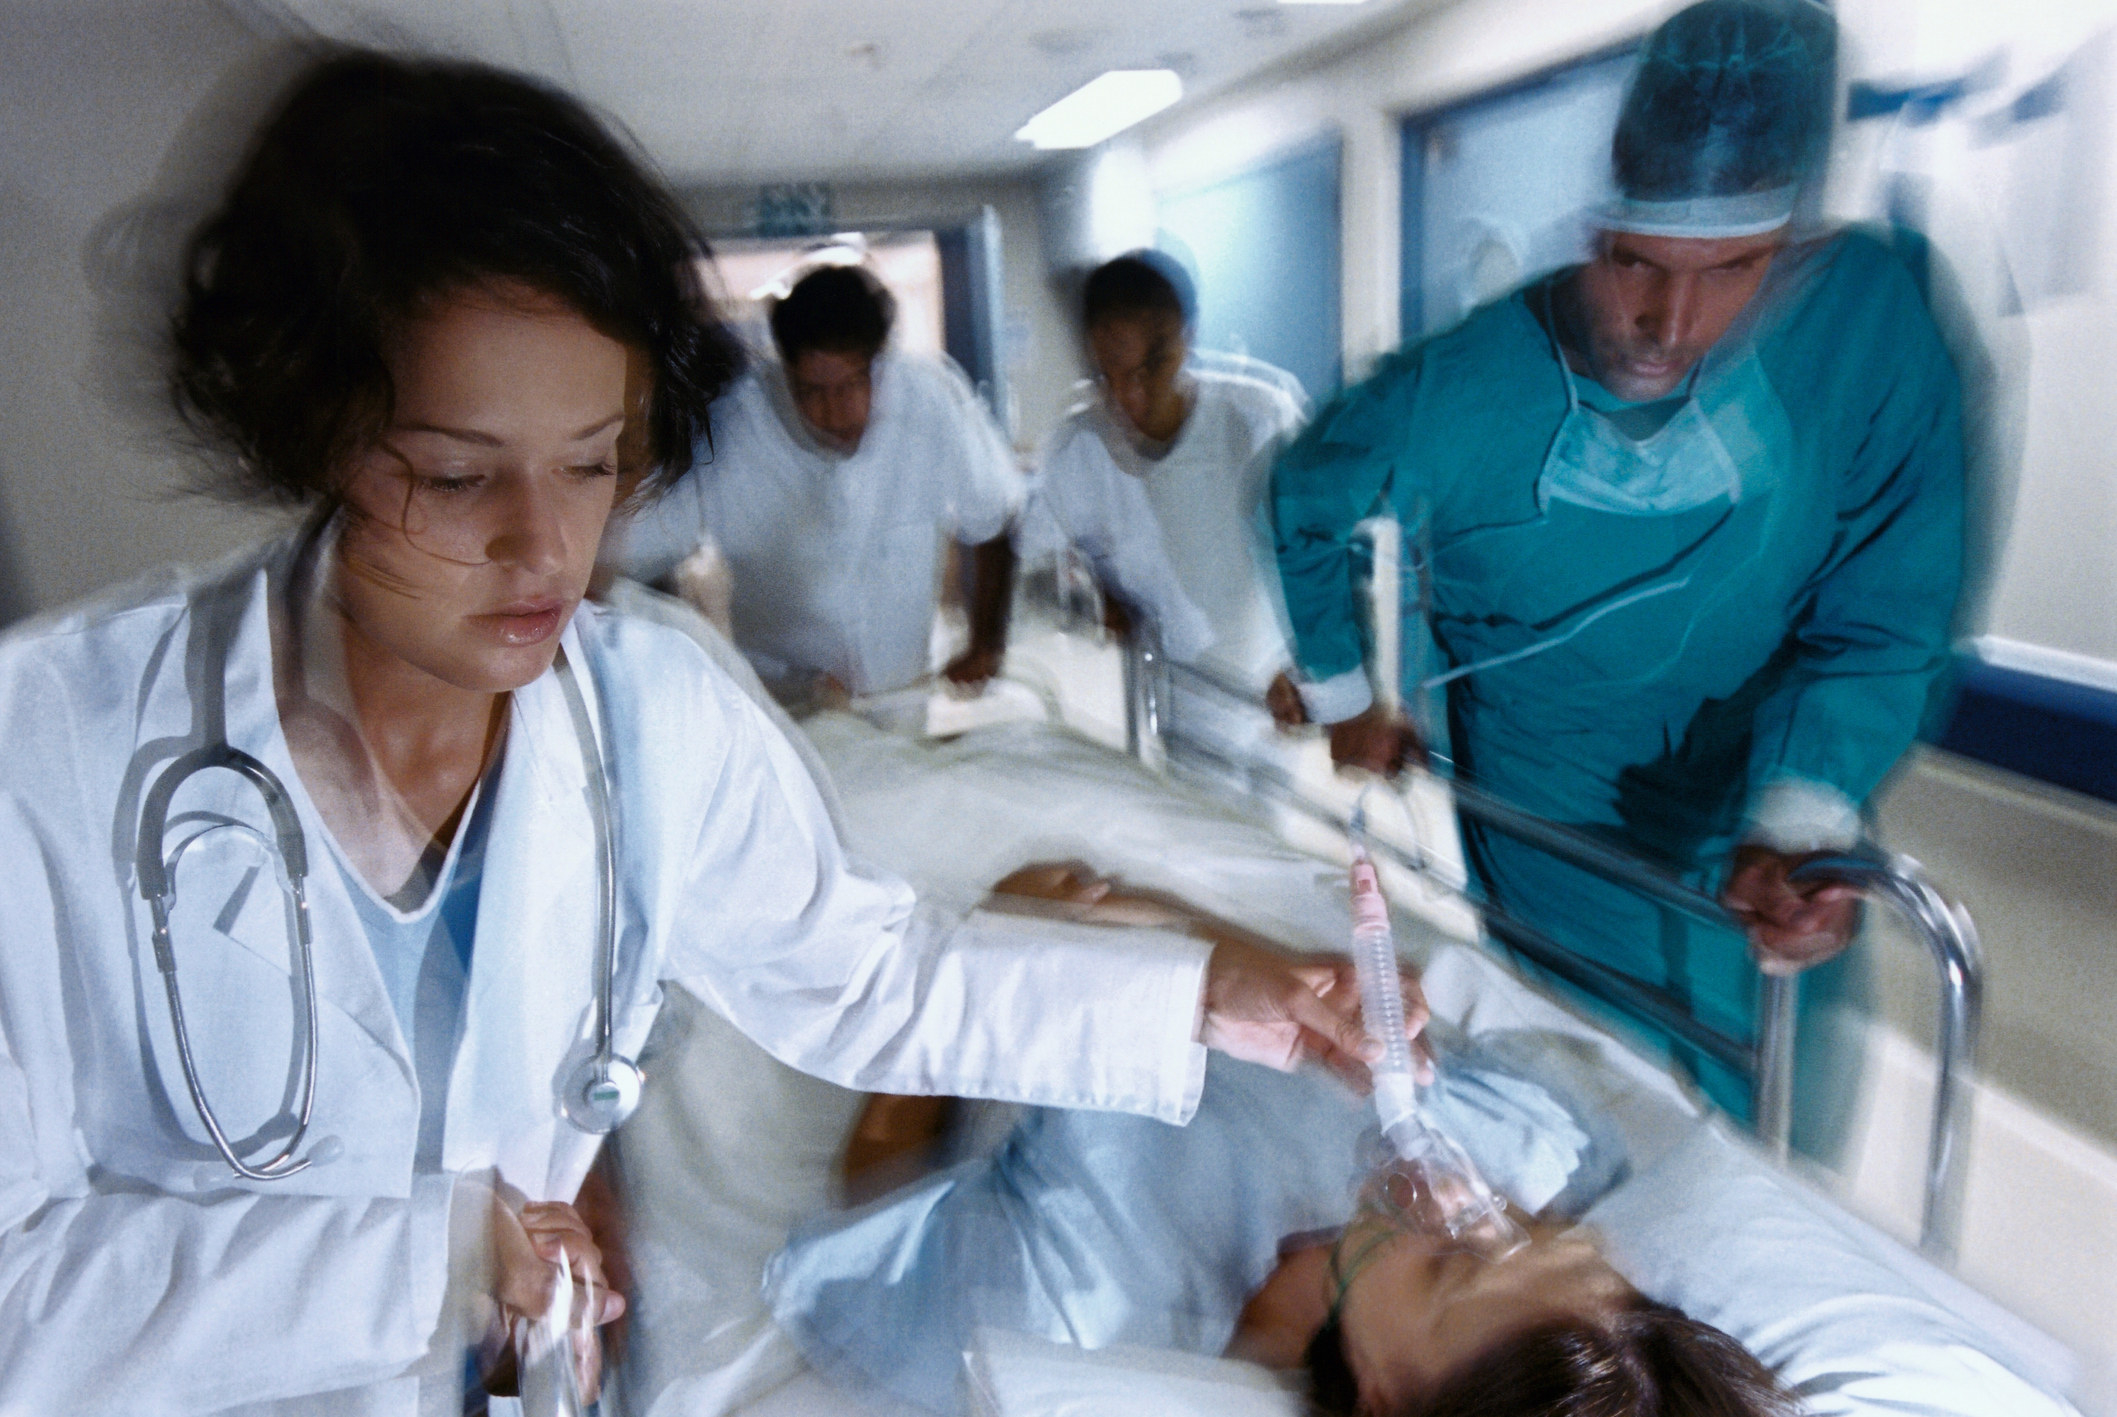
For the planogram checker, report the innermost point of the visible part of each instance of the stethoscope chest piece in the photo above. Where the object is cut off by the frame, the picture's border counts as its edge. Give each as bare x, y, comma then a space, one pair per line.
601, 1093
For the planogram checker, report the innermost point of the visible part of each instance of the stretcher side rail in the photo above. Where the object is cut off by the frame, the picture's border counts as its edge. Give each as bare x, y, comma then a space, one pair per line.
1944, 928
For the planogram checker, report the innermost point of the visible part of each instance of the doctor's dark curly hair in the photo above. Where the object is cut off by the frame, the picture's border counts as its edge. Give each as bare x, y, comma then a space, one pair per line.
380, 184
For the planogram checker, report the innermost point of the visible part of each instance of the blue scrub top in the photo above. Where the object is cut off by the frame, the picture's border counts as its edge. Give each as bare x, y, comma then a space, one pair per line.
1815, 612
1797, 636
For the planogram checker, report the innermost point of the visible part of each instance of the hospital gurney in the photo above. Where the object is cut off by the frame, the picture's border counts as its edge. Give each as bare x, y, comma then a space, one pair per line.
1153, 725
754, 1147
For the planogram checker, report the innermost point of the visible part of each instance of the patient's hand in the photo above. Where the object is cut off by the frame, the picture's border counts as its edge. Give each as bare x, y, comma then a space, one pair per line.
1073, 890
1261, 1004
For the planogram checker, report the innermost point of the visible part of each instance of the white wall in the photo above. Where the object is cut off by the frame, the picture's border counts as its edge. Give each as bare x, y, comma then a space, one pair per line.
92, 98
2027, 222
1037, 343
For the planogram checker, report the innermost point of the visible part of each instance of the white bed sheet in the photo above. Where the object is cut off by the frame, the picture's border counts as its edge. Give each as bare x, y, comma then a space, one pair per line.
953, 817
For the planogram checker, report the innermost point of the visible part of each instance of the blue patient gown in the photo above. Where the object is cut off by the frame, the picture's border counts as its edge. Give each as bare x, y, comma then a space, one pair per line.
1697, 659
1096, 1228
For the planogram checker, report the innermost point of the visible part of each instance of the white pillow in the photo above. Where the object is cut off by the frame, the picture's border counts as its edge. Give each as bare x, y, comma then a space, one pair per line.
1015, 1375
1849, 1319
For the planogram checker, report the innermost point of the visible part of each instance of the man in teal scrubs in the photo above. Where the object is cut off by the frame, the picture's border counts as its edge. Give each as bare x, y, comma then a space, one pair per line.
1694, 512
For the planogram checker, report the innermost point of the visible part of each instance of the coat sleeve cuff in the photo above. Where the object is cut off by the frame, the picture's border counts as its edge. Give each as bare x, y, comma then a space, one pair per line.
1799, 815
1183, 1066
1339, 697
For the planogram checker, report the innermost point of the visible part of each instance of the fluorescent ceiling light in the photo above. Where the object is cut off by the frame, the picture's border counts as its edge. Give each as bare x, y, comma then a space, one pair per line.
1105, 105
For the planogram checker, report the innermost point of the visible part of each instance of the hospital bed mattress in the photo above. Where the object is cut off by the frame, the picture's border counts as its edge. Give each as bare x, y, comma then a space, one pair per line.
734, 1149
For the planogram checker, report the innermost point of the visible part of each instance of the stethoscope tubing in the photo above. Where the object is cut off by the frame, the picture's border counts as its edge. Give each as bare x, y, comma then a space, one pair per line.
157, 884
156, 877
605, 852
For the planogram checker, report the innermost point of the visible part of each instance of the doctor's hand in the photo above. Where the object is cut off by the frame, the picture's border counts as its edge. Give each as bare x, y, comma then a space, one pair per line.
526, 1245
1378, 740
1791, 927
1266, 1007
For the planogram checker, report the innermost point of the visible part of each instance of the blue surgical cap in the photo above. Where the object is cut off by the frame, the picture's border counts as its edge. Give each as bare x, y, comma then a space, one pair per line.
1728, 114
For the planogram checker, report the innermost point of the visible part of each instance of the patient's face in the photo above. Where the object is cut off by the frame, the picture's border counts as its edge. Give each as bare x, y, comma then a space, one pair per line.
1419, 1313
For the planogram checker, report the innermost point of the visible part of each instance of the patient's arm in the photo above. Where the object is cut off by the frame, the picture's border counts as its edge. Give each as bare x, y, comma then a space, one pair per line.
896, 1139
1261, 1004
1070, 890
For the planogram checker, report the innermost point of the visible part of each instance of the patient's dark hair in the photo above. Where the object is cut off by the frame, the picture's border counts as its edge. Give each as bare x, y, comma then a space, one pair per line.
1648, 1360
381, 184
834, 309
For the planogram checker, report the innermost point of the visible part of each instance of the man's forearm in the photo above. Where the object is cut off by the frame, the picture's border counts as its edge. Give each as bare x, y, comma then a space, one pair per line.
991, 592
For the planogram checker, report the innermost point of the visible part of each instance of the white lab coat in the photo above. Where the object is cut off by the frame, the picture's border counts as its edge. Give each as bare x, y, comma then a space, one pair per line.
136, 1275
835, 557
1184, 537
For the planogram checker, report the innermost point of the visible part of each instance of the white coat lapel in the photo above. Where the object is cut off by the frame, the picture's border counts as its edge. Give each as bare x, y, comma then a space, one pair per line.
532, 980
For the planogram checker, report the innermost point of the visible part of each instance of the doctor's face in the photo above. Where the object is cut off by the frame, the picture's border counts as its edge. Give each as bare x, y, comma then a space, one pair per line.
1139, 358
1653, 305
834, 390
475, 517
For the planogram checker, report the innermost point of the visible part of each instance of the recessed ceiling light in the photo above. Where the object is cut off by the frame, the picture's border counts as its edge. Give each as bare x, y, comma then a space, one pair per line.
1104, 106
1323, 2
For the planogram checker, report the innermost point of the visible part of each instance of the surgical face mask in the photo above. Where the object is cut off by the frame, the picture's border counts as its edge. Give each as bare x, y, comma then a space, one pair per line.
1729, 436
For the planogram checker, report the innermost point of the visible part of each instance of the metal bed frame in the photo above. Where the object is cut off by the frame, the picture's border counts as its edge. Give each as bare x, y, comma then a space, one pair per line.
1767, 1061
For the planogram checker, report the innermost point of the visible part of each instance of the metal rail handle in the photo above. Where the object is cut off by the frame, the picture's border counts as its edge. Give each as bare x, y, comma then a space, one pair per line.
1944, 928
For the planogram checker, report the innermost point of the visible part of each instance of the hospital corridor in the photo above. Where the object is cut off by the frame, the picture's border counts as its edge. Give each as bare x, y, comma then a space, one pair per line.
999, 708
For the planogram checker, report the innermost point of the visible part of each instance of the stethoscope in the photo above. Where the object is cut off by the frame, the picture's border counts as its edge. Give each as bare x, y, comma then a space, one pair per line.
599, 1093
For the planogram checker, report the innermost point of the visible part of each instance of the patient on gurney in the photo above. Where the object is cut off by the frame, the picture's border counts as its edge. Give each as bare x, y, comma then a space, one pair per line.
1262, 1231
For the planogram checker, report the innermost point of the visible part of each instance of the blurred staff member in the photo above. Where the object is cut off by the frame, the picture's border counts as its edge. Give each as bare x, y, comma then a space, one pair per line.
1160, 480
832, 474
1695, 511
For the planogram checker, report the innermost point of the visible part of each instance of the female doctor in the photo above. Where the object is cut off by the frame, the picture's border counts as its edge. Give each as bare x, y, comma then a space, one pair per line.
442, 309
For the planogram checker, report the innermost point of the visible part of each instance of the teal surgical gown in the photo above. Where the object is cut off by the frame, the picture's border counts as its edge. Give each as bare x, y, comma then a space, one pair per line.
1802, 630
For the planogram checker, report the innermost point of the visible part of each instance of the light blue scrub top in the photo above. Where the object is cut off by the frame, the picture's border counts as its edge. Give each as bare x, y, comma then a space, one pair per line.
424, 955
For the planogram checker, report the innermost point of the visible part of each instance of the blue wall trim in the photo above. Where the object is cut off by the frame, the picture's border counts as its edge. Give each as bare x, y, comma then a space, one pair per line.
2057, 732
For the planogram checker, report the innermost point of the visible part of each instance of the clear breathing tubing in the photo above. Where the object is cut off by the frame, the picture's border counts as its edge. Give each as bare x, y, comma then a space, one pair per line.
1428, 1183
1381, 988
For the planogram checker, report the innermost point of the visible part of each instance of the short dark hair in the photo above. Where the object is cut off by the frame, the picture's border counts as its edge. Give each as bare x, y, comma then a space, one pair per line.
1648, 1360
836, 309
382, 183
1138, 283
